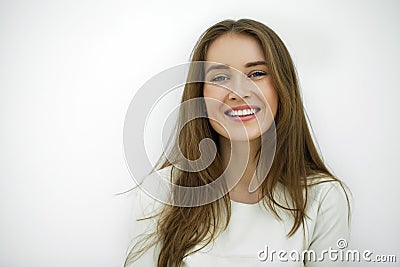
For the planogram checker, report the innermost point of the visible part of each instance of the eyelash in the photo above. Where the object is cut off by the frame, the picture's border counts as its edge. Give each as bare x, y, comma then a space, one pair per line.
224, 77
217, 78
260, 74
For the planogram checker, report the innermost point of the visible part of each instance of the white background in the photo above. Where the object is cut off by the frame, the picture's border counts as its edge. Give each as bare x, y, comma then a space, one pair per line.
69, 70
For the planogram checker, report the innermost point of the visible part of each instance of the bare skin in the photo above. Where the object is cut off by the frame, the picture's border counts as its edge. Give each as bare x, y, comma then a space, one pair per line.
240, 192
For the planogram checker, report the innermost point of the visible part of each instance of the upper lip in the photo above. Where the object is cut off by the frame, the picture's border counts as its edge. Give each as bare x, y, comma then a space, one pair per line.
242, 107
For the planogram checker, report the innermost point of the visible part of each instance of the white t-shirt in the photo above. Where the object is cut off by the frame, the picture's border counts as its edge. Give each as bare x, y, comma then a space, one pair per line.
256, 237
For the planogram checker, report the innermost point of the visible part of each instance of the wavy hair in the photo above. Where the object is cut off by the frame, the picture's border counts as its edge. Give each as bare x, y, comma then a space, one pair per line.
180, 229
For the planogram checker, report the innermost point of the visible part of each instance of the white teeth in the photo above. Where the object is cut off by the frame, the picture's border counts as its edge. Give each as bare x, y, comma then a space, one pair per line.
242, 112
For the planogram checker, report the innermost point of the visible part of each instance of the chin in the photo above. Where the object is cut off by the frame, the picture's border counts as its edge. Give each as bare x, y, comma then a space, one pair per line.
245, 138
237, 134
240, 136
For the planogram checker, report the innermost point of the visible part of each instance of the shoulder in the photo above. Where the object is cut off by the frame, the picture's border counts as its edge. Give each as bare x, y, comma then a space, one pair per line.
146, 211
328, 200
327, 192
329, 213
321, 191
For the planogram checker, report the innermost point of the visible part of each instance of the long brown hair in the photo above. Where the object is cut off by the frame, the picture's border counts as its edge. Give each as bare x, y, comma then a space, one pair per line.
180, 229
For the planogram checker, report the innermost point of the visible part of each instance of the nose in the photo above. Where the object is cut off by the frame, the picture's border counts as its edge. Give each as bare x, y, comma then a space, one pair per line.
235, 96
239, 90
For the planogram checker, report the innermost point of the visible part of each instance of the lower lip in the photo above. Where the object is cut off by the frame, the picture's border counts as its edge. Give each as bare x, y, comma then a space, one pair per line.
243, 118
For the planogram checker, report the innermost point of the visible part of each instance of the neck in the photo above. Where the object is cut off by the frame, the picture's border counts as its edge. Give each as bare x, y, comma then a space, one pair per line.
228, 146
239, 160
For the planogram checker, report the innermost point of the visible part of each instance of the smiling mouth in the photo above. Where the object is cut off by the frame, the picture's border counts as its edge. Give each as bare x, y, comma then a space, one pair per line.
242, 112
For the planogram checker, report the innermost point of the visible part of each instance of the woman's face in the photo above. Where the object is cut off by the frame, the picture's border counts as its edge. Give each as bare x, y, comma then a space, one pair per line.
241, 101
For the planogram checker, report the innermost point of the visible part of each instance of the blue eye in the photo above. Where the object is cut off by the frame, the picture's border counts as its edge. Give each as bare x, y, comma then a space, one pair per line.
219, 78
257, 74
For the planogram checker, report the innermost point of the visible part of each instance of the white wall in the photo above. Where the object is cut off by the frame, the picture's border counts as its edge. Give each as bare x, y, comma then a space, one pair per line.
69, 69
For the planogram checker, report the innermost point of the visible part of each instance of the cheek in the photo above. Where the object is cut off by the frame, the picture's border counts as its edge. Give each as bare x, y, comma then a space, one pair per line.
270, 94
214, 97
212, 93
272, 99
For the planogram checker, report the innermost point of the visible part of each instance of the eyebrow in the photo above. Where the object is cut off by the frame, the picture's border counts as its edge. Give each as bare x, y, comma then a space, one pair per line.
255, 63
247, 65
217, 67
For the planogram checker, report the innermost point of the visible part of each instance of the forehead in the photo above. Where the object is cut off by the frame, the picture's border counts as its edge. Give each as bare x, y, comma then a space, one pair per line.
235, 50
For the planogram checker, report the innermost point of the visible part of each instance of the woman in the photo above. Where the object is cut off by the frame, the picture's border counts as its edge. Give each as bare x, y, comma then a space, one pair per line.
276, 195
